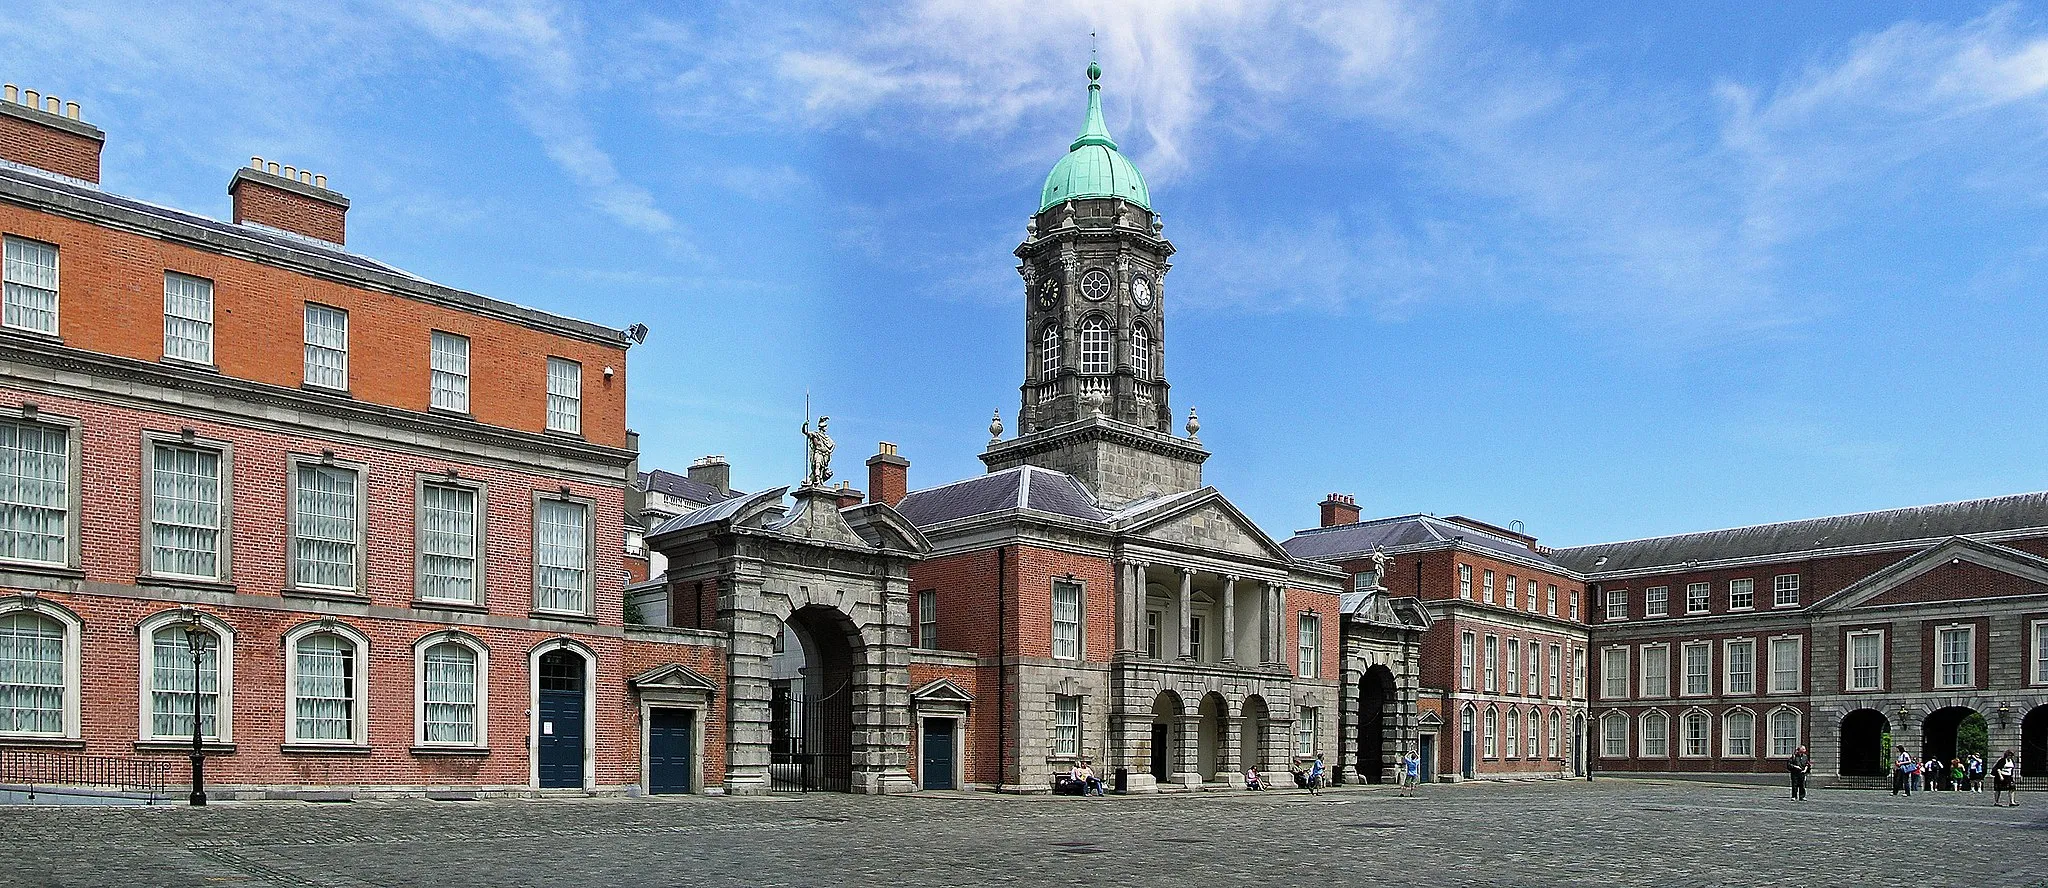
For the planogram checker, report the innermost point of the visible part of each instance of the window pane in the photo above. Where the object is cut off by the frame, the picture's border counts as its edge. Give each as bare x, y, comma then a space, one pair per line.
1741, 593
327, 527
448, 355
1784, 732
170, 681
561, 566
1305, 732
565, 395
448, 682
1067, 726
1741, 667
1785, 590
324, 697
448, 546
1095, 346
1614, 736
188, 318
1141, 351
30, 292
928, 619
326, 346
185, 513
31, 674
1614, 674
1784, 665
35, 492
1657, 601
1309, 644
1739, 734
1066, 620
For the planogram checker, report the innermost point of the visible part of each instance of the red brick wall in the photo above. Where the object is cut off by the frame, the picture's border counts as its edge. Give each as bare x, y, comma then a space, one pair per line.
111, 293
966, 587
1032, 574
978, 755
49, 148
269, 205
1325, 607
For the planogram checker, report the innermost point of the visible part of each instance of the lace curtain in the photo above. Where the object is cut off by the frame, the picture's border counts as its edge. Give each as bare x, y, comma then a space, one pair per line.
185, 512
565, 395
35, 492
170, 679
188, 318
448, 543
326, 688
326, 527
561, 558
30, 296
31, 674
450, 689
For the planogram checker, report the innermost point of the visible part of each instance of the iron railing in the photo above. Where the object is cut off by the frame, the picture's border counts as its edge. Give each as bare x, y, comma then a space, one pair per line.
58, 773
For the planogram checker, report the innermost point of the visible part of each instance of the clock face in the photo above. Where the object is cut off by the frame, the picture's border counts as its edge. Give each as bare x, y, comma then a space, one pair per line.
1095, 284
1049, 294
1141, 292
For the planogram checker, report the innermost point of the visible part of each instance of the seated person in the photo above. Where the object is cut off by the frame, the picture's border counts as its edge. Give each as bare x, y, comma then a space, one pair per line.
1090, 784
1300, 777
1251, 779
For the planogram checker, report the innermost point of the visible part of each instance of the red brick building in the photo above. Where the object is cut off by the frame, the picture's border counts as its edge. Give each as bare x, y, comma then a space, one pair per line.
391, 510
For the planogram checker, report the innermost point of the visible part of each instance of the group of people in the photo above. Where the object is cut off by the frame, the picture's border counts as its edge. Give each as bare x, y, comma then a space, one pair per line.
1909, 773
1080, 780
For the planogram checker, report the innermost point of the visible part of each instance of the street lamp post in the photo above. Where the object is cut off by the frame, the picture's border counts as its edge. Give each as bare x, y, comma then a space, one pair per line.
196, 638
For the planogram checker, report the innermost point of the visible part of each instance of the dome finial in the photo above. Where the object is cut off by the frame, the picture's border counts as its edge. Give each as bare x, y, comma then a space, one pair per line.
1094, 70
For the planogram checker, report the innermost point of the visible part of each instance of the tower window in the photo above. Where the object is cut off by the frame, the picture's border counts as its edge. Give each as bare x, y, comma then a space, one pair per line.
1095, 345
1048, 352
1141, 351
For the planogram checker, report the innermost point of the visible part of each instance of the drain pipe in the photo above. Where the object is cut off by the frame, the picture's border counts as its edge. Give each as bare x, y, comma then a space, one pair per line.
1002, 671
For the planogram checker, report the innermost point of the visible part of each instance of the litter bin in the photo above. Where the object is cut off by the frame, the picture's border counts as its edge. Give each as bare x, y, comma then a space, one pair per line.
1123, 781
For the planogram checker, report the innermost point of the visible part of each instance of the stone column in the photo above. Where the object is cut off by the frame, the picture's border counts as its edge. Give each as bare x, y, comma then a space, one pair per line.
1230, 620
751, 634
1128, 614
1188, 755
1276, 608
1228, 755
1187, 613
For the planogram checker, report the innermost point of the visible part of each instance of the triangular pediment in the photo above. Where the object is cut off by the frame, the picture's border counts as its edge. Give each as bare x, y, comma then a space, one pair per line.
1205, 520
671, 677
1957, 569
941, 690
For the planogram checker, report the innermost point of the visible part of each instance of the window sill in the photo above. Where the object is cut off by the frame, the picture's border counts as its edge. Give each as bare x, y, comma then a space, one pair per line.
324, 749
210, 747
42, 742
460, 606
188, 364
477, 751
567, 616
162, 581
322, 594
33, 335
564, 433
325, 390
449, 412
41, 569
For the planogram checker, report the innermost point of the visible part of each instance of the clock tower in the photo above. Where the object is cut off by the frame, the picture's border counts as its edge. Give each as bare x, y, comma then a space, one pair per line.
1094, 261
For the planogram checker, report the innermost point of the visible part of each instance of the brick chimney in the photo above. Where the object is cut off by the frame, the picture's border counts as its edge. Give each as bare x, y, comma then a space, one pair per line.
713, 471
291, 199
44, 132
1339, 508
848, 497
888, 475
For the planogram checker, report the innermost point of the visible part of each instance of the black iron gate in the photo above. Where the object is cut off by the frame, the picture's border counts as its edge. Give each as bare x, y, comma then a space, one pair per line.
819, 757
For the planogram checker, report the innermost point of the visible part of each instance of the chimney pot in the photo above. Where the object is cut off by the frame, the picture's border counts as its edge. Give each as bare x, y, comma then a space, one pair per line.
270, 168
290, 173
270, 193
32, 98
320, 181
11, 92
53, 106
255, 162
71, 110
712, 471
888, 475
58, 143
1339, 509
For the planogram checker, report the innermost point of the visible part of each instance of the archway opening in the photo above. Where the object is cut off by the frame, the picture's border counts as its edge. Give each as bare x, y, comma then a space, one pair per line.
1252, 733
1952, 733
1166, 718
811, 690
1864, 734
562, 723
1375, 709
2034, 743
1211, 736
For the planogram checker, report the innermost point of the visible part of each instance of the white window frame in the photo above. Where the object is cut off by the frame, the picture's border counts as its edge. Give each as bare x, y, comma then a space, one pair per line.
1491, 721
1066, 725
1097, 352
1155, 633
1067, 640
1609, 742
1490, 670
9, 281
1512, 590
179, 289
1551, 739
313, 308
1486, 585
293, 464
478, 490
1048, 352
1511, 739
1141, 350
1468, 644
564, 395
1877, 669
69, 429
1783, 585
1617, 605
1696, 597
224, 660
1705, 674
73, 629
1657, 601
1610, 677
360, 718
1305, 730
1969, 663
419, 691
1742, 594
1738, 682
1645, 736
1691, 745
1578, 656
1532, 721
1550, 598
590, 562
2040, 652
1308, 644
448, 371
928, 619
1465, 581
1729, 735
1514, 675
223, 532
1788, 743
1574, 597
1556, 686
1531, 596
1660, 654
1798, 654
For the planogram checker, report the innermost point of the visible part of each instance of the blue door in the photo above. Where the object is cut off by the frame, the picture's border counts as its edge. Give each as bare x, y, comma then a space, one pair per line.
671, 733
562, 722
935, 769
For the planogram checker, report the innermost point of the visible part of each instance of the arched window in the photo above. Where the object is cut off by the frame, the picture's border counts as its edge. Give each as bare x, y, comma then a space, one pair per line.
167, 678
38, 670
1614, 735
1095, 345
326, 697
1529, 733
1492, 750
1784, 732
1556, 727
1738, 733
1656, 739
1141, 351
1514, 746
1694, 726
1048, 352
453, 684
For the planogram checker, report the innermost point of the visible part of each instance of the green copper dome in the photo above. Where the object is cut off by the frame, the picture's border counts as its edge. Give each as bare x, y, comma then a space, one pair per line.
1093, 167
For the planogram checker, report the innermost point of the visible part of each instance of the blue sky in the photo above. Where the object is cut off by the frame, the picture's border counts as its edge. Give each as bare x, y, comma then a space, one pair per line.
1612, 270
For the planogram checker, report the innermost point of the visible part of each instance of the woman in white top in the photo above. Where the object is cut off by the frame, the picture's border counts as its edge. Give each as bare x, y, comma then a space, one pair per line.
2005, 779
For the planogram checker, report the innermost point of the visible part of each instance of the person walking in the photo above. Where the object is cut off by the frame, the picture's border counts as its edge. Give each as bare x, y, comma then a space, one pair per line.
1903, 767
1798, 766
1315, 775
1411, 772
2005, 780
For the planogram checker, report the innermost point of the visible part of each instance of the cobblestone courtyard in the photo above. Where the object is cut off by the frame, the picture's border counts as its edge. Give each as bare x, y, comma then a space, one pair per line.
1608, 832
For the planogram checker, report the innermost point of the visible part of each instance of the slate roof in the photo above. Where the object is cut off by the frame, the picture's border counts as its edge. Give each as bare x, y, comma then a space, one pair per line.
719, 512
1391, 534
1022, 487
1939, 521
668, 483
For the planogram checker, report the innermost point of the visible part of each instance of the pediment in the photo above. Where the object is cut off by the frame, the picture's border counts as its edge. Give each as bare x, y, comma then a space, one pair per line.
941, 690
671, 677
1956, 569
1208, 522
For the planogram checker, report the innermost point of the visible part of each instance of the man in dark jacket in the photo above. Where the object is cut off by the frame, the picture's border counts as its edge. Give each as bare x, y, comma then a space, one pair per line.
1798, 765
